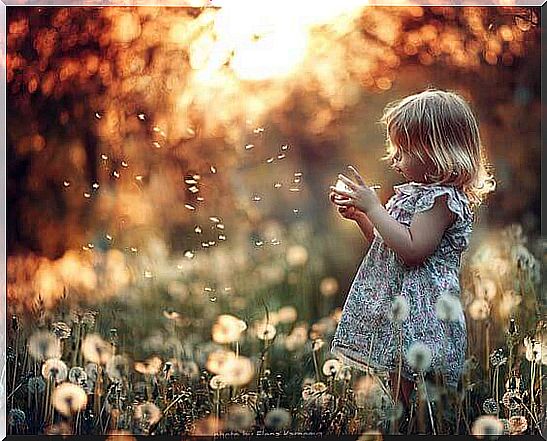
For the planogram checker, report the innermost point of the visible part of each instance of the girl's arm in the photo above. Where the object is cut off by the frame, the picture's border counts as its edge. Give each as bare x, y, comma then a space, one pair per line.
366, 226
415, 243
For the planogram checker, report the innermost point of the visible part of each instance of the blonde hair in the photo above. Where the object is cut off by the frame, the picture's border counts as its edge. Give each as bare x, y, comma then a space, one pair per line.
439, 128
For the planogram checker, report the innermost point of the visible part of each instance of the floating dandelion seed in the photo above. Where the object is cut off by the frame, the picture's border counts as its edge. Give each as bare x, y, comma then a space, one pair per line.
239, 418
281, 156
214, 219
249, 146
171, 314
213, 169
399, 309
69, 399
237, 371
133, 249
285, 147
36, 385
108, 236
150, 366
295, 210
156, 144
116, 174
449, 308
256, 198
277, 419
197, 229
55, 369
190, 131
220, 226
221, 237
294, 189
156, 129
258, 130
190, 181
259, 243
117, 367
193, 189
43, 345
487, 426
189, 254
189, 206
270, 160
331, 367
66, 183
104, 157
125, 164
148, 413
200, 199
77, 375
419, 356
87, 195
95, 185
277, 185
139, 178
148, 274
95, 349
141, 116
98, 115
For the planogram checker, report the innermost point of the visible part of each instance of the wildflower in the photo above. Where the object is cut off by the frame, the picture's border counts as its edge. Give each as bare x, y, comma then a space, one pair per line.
278, 419
237, 371
490, 406
61, 330
217, 382
265, 331
328, 286
497, 358
69, 399
287, 314
399, 310
55, 369
449, 308
297, 255
533, 350
148, 413
149, 367
419, 356
43, 345
16, 417
317, 344
487, 426
77, 375
117, 367
36, 385
95, 349
217, 359
227, 329
331, 367
511, 400
344, 373
517, 425
239, 418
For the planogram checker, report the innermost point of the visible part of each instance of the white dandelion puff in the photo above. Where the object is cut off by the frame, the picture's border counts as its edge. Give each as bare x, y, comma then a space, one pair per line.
238, 371
77, 375
95, 349
217, 382
148, 413
55, 369
43, 345
239, 417
419, 356
448, 308
399, 309
331, 367
69, 399
278, 419
487, 426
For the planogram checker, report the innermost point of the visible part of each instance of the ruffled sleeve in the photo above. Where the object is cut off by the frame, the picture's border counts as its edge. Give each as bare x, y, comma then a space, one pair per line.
458, 233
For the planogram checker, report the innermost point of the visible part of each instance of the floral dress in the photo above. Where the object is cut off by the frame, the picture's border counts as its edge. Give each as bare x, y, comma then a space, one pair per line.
366, 337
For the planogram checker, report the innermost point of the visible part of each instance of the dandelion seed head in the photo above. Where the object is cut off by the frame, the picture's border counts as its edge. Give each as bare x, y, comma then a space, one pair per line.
16, 417
227, 329
265, 331
419, 356
43, 345
278, 419
331, 367
239, 418
217, 359
77, 375
487, 426
36, 385
95, 349
151, 366
399, 309
147, 413
448, 308
518, 424
55, 369
238, 371
490, 407
69, 399
61, 330
287, 314
217, 382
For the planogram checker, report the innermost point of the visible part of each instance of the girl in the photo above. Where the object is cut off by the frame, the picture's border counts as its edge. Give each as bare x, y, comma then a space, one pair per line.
391, 321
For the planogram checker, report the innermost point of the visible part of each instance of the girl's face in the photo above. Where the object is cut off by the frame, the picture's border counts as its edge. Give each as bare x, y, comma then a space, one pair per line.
410, 166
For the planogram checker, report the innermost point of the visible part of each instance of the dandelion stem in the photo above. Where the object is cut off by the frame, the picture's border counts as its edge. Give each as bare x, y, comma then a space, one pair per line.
428, 403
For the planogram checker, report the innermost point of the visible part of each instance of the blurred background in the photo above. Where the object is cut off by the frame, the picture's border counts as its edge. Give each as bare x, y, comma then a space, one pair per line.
167, 165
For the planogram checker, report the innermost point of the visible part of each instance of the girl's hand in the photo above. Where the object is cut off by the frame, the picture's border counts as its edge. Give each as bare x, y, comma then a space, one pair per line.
350, 212
360, 196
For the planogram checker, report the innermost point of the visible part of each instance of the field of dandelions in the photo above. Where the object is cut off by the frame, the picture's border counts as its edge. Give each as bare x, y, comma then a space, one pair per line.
253, 357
